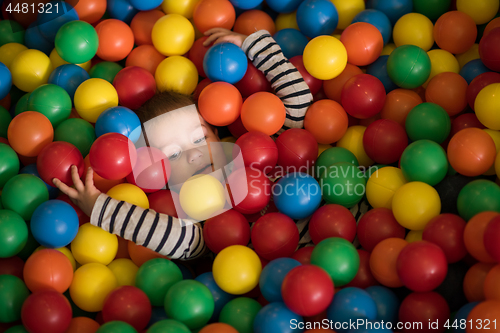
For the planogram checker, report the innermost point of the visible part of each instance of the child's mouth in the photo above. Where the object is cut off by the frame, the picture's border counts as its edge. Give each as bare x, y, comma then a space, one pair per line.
205, 169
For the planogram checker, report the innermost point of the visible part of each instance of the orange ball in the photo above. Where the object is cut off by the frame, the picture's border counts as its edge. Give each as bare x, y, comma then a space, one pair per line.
363, 43
48, 269
254, 20
90, 11
82, 325
142, 25
122, 252
455, 32
263, 112
383, 261
449, 90
491, 285
29, 132
474, 236
333, 87
145, 56
210, 14
495, 23
220, 103
326, 120
474, 281
218, 328
484, 314
116, 40
471, 152
140, 254
398, 104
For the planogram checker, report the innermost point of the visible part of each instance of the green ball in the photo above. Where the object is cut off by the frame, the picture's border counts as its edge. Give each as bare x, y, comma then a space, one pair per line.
338, 257
331, 156
424, 161
13, 233
9, 164
23, 193
30, 247
105, 70
343, 183
5, 119
52, 101
17, 329
168, 326
11, 32
76, 42
155, 277
408, 66
13, 293
116, 327
189, 302
240, 313
22, 104
428, 121
478, 196
433, 9
78, 132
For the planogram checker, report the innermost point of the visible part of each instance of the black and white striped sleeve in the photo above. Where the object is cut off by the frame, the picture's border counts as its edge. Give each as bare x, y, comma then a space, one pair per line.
285, 79
167, 235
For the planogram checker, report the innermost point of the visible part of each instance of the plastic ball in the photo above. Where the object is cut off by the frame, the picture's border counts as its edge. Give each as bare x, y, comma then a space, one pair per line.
76, 42
121, 10
197, 53
214, 14
484, 106
476, 86
387, 302
176, 73
30, 69
291, 200
488, 49
124, 270
252, 82
185, 8
250, 190
377, 225
48, 269
363, 43
275, 317
145, 56
55, 161
378, 19
291, 41
116, 40
202, 196
398, 104
350, 304
258, 151
128, 304
225, 62
254, 20
491, 238
333, 87
379, 69
317, 17
142, 24
384, 141
313, 83
90, 10
423, 308
472, 69
94, 245
363, 96
455, 32
82, 324
120, 120
448, 90
446, 231
428, 121
220, 103
240, 313
91, 284
353, 141
325, 57
342, 183
46, 310
297, 150
263, 112
272, 276
130, 193
134, 86
424, 161
9, 51
474, 281
332, 220
383, 261
478, 196
69, 77
220, 296
14, 293
486, 311
326, 120
169, 41
226, 229
113, 156
14, 233
475, 235
394, 9
5, 80
52, 101
382, 185
23, 193
150, 174
409, 66
9, 167
93, 97
414, 29
105, 70
482, 12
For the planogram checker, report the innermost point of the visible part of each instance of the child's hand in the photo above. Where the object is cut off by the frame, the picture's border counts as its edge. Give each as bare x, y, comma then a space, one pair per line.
84, 196
221, 35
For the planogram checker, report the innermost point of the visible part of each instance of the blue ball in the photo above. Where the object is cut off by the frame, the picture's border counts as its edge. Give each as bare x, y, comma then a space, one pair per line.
284, 6
472, 69
220, 296
276, 317
69, 77
272, 277
49, 22
225, 62
394, 9
121, 10
119, 119
297, 195
31, 169
145, 4
387, 303
351, 304
317, 17
157, 313
378, 19
5, 80
54, 224
462, 313
379, 69
245, 4
291, 41
33, 39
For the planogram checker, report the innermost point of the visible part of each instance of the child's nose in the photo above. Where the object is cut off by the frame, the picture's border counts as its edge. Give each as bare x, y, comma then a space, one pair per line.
193, 155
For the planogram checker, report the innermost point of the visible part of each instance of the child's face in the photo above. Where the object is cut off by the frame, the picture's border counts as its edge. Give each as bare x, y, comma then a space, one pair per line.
184, 137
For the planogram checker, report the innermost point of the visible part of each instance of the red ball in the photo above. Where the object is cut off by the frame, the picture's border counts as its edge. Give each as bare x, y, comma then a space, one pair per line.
297, 150
12, 266
166, 202
55, 161
363, 96
464, 121
112, 156
128, 304
479, 82
46, 311
82, 217
313, 83
226, 229
252, 82
134, 85
384, 141
418, 309
489, 50
447, 232
275, 235
258, 150
422, 266
307, 290
376, 225
303, 255
249, 190
220, 103
364, 277
332, 220
151, 171
197, 53
492, 238
199, 88
236, 128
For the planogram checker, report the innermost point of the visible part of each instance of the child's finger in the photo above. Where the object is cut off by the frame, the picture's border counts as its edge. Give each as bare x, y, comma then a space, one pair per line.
76, 179
69, 191
214, 30
213, 38
89, 178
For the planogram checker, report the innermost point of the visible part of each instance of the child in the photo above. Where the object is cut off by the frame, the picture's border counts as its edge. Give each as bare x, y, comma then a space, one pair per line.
184, 137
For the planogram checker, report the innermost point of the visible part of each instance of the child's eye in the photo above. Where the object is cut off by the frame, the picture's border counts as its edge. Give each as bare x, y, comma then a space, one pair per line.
201, 140
174, 156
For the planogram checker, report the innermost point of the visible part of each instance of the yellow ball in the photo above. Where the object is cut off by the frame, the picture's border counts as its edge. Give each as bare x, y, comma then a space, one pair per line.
471, 54
415, 204
9, 51
173, 34
486, 106
495, 135
237, 269
481, 11
382, 185
353, 141
387, 50
124, 270
414, 236
57, 61
129, 193
30, 69
201, 196
90, 286
286, 21
176, 73
93, 244
325, 57
415, 29
347, 10
441, 61
181, 7
63, 250
322, 148
93, 97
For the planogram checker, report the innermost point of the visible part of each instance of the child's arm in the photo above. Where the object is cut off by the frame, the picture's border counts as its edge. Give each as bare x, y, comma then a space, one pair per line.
172, 237
266, 55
